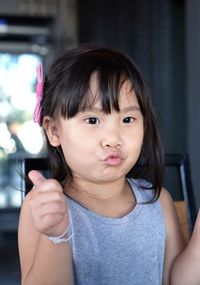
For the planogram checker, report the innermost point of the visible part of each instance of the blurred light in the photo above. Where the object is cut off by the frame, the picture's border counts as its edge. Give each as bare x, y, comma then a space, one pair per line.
3, 26
5, 139
16, 198
3, 198
31, 137
5, 109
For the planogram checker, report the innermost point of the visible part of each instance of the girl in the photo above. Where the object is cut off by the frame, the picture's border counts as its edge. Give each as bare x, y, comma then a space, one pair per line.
90, 224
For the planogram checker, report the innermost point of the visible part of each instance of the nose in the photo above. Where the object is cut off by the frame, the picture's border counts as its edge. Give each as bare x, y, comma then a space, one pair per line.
111, 138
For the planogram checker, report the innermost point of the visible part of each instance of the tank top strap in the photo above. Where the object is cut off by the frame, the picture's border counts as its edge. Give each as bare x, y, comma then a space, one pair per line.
142, 190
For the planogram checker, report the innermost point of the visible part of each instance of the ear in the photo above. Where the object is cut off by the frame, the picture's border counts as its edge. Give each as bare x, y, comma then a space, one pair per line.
51, 131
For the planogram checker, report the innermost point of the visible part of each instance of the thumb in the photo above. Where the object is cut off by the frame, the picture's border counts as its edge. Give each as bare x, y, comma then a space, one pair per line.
36, 177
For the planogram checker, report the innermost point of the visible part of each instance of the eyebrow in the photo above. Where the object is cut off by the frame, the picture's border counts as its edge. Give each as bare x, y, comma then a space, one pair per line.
124, 110
131, 108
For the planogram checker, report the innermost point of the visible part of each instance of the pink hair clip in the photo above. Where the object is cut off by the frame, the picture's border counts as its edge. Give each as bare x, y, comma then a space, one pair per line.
39, 94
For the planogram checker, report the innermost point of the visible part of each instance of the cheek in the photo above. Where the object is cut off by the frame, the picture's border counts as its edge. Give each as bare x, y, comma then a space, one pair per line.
135, 145
75, 148
72, 156
136, 137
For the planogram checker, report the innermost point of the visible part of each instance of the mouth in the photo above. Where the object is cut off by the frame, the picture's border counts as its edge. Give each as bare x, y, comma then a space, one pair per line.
113, 159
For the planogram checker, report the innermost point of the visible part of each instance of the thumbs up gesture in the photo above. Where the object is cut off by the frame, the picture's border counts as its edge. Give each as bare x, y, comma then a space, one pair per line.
48, 205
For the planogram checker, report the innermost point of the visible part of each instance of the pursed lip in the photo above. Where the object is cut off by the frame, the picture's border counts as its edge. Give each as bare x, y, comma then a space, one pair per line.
114, 158
113, 155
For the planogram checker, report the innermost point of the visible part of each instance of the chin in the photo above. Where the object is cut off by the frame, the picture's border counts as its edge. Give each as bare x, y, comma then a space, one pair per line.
110, 178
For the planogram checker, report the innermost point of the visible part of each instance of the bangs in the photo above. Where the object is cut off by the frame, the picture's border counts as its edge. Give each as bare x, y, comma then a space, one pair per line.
72, 85
81, 95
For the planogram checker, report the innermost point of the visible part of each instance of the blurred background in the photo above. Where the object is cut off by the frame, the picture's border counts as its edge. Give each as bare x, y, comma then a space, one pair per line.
161, 36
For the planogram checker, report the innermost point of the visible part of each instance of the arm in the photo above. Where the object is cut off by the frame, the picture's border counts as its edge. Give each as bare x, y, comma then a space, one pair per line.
186, 268
181, 264
44, 212
175, 242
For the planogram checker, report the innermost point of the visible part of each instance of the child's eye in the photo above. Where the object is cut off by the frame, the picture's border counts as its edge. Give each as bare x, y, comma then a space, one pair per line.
92, 121
128, 120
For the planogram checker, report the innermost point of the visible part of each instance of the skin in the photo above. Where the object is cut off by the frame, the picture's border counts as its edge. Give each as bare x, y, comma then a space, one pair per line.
100, 149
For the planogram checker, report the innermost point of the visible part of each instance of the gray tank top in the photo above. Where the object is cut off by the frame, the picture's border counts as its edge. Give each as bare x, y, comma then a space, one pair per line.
119, 251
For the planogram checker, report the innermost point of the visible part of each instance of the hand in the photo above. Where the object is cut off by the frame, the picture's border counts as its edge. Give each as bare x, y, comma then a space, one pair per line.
48, 205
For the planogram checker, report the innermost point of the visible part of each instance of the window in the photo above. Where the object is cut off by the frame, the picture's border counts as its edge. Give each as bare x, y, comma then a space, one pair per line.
20, 137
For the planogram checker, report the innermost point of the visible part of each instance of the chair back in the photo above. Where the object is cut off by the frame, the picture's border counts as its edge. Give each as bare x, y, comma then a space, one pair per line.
179, 183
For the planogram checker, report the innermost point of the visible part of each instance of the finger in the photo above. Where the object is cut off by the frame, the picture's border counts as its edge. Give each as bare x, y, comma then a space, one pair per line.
36, 177
52, 224
46, 195
51, 208
44, 184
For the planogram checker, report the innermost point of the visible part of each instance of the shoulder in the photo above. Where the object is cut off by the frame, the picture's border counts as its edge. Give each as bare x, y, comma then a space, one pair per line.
169, 210
165, 199
175, 242
170, 214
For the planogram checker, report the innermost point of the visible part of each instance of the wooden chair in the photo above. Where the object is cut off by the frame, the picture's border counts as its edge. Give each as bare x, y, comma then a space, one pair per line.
177, 181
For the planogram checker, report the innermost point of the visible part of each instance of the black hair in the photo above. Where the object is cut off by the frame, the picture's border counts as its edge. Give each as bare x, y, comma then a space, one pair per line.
66, 89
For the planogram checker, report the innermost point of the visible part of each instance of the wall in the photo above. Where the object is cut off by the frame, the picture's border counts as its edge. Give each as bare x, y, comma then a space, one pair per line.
10, 7
62, 12
152, 33
193, 89
29, 7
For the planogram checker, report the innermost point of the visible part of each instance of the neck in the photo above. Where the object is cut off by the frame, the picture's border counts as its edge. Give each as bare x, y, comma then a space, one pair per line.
113, 199
103, 191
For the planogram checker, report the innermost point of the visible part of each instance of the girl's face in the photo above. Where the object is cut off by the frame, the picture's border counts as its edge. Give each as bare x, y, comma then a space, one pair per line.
98, 147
